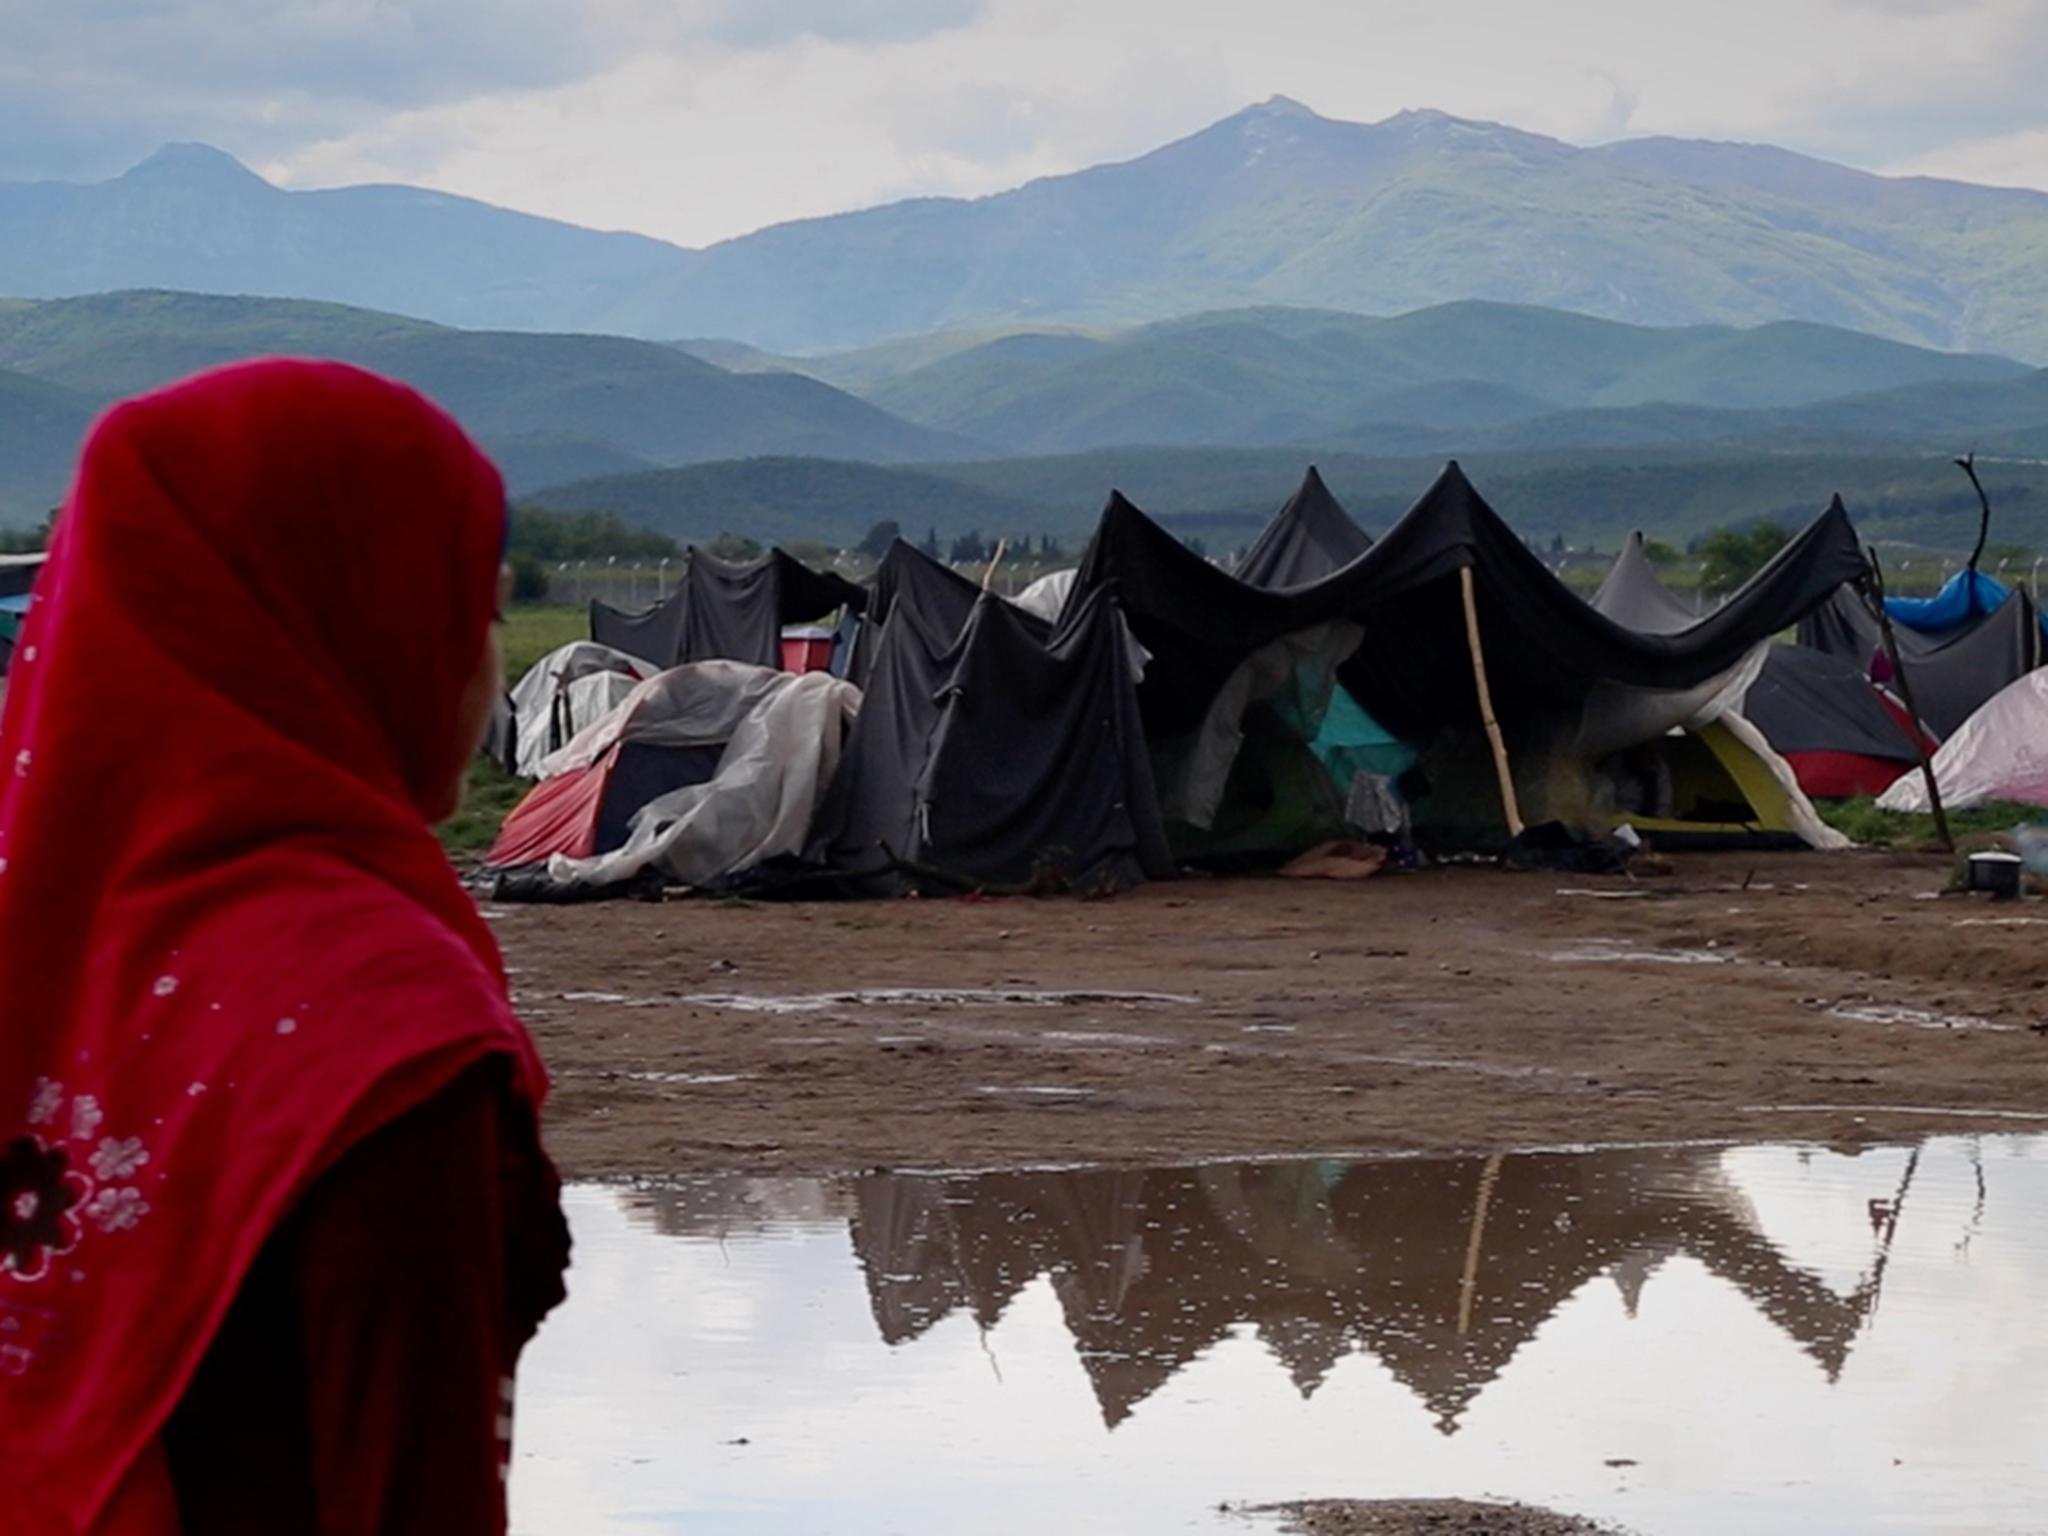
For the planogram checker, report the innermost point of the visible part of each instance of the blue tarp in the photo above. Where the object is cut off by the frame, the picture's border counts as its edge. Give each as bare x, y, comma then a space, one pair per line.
1964, 596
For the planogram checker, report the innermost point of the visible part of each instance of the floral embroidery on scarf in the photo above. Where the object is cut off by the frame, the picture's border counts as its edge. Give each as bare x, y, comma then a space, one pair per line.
48, 1099
117, 1158
38, 1191
86, 1116
116, 1210
46, 1201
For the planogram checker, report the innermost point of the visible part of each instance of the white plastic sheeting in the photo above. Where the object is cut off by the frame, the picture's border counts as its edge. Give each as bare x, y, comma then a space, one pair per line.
1799, 809
1046, 596
568, 689
782, 733
1999, 753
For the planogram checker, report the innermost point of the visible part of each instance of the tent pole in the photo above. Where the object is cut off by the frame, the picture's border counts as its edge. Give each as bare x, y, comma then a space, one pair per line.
1468, 1279
1508, 805
995, 560
1873, 594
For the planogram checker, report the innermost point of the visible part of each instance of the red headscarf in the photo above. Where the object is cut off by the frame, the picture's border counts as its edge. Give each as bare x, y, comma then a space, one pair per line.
229, 945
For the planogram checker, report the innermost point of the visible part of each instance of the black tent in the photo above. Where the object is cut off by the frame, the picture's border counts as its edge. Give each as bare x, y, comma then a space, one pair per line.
1952, 673
722, 611
1308, 538
993, 751
1546, 648
940, 597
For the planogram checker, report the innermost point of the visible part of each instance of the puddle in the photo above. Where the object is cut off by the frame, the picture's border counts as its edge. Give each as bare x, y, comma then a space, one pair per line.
691, 1079
1108, 1037
1621, 950
1037, 1094
1683, 1340
2000, 922
1944, 1112
934, 997
1913, 1018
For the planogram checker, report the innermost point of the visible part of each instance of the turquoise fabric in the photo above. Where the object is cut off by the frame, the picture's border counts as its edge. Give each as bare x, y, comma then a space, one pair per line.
1351, 742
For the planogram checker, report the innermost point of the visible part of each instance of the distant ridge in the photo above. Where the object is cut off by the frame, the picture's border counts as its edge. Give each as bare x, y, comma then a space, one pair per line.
1272, 205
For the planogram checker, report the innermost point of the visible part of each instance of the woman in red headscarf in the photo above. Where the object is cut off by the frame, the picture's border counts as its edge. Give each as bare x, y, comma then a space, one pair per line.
274, 1216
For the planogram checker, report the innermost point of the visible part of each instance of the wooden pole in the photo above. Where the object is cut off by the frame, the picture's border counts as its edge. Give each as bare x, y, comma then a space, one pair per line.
1468, 1280
994, 561
1873, 594
1509, 807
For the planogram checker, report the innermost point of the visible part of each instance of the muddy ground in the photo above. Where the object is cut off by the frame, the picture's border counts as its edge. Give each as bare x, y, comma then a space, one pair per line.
1806, 996
1429, 1517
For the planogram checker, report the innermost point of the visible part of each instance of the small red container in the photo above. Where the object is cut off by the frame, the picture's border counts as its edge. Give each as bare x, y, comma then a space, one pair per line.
807, 650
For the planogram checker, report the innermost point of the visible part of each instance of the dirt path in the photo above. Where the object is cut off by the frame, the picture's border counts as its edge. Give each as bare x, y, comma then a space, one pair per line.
1453, 1009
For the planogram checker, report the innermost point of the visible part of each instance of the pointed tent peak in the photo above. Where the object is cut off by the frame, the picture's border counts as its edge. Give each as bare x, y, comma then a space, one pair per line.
1310, 537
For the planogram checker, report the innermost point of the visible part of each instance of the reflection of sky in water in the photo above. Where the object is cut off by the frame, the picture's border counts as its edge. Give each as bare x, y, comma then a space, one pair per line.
1380, 1329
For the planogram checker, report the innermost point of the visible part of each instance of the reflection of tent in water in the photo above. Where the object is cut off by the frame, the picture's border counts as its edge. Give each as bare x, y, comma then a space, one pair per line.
1441, 1270
726, 612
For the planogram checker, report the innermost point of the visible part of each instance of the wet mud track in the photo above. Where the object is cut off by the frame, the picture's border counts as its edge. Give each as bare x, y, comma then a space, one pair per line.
1827, 997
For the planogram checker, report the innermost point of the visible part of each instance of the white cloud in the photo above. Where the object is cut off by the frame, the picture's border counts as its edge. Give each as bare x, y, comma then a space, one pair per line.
2008, 160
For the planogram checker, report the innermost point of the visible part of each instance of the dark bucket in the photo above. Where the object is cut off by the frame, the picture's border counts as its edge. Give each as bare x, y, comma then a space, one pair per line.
1997, 873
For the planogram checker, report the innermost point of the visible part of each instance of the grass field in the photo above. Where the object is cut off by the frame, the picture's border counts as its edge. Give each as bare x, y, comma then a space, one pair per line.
1861, 821
528, 633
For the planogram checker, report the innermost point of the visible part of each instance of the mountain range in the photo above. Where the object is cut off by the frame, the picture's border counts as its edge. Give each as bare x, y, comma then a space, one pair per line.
549, 407
1273, 205
1466, 372
1222, 401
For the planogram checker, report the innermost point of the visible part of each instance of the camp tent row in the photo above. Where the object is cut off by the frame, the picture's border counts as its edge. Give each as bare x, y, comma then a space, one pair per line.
1173, 712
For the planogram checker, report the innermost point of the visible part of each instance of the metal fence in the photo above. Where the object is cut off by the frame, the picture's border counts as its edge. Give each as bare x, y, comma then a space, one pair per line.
629, 586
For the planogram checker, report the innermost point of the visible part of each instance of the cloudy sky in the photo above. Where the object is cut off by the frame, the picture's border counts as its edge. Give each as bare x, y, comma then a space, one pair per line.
700, 119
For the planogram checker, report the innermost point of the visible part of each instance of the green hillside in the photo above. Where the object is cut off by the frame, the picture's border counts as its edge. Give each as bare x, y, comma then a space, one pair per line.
1259, 376
565, 406
41, 425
